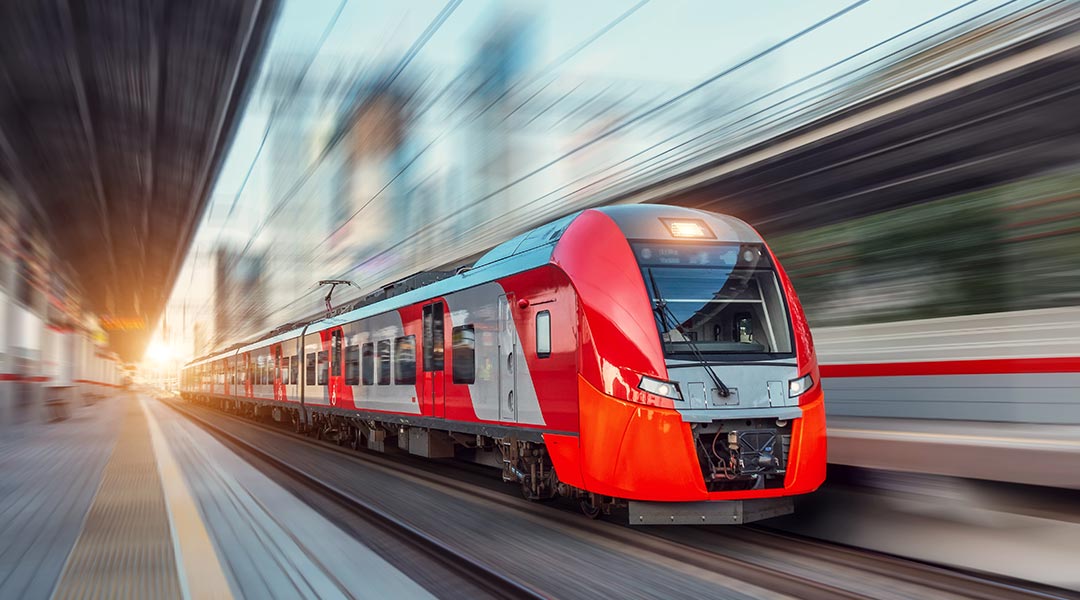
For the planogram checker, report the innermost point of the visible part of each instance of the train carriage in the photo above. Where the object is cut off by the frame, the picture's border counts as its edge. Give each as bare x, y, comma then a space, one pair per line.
649, 356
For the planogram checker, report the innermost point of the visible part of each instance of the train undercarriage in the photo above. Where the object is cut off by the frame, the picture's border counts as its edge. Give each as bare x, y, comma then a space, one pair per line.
734, 455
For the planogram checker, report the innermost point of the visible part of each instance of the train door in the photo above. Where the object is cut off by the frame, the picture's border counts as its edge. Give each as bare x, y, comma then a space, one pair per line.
433, 384
508, 343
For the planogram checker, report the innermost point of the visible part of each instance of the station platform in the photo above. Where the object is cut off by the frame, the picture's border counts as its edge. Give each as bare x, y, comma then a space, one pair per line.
1023, 453
127, 499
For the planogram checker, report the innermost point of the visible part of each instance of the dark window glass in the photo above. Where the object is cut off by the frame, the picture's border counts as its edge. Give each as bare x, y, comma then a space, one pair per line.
324, 358
309, 375
464, 354
543, 334
715, 299
368, 364
335, 353
384, 362
433, 337
285, 370
294, 370
352, 365
429, 360
438, 342
405, 359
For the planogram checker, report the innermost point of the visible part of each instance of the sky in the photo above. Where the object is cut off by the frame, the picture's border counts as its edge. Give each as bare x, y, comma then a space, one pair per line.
674, 44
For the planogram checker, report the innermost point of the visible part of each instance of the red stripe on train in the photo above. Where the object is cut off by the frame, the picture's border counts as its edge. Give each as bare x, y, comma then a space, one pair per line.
993, 366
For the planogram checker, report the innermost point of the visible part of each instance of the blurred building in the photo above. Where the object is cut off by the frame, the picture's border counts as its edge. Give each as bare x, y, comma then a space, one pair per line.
372, 207
49, 348
240, 295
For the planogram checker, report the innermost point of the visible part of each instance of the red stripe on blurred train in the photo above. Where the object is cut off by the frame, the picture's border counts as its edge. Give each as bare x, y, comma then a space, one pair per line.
652, 357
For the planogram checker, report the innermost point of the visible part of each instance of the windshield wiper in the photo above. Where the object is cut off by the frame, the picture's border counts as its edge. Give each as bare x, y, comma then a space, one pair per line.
661, 308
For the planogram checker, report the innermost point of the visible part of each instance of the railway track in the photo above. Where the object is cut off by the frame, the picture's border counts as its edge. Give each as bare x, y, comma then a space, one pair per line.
473, 571
699, 547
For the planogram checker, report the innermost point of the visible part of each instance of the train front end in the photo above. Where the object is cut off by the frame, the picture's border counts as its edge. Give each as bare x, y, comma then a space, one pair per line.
699, 391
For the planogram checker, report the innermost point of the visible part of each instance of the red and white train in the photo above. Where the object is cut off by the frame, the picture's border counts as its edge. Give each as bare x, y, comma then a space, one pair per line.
649, 356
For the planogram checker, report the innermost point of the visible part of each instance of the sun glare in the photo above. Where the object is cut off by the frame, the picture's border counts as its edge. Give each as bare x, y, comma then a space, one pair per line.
158, 352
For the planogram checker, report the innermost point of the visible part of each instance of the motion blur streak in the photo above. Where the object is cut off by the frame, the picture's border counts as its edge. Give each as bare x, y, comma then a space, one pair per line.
176, 178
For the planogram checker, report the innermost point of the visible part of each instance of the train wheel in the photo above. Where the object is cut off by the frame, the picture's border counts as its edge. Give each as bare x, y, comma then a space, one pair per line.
590, 507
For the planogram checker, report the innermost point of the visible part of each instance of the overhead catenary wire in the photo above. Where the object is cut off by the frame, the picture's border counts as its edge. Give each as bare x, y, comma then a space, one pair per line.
667, 159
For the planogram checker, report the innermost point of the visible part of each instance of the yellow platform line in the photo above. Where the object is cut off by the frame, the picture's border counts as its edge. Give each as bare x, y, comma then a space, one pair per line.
199, 565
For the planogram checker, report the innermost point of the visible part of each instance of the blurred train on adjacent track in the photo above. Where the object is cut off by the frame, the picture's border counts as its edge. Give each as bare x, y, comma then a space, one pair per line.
975, 292
655, 357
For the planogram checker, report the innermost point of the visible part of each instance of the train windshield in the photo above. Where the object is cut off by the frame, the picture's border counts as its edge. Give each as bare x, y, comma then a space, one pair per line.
715, 299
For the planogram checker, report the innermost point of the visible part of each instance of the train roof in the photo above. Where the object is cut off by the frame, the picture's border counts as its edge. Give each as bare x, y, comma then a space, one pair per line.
528, 250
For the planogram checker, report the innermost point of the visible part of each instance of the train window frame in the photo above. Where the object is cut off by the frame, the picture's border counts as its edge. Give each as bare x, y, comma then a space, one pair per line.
462, 354
543, 350
284, 369
323, 373
404, 361
310, 369
294, 369
385, 360
352, 364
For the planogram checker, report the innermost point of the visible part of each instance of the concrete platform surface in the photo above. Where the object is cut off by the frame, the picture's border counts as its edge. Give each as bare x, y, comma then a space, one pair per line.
127, 499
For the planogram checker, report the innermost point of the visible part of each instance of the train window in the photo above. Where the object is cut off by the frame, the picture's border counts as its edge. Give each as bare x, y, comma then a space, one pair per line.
285, 370
367, 367
294, 370
352, 365
433, 337
429, 359
324, 359
309, 371
437, 339
384, 362
543, 334
405, 357
715, 299
464, 354
335, 353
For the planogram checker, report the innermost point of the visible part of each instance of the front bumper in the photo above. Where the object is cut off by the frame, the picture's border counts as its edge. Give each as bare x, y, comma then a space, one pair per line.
725, 512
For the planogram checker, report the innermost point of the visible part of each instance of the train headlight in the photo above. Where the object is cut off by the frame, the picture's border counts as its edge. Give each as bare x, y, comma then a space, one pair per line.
667, 389
688, 228
796, 387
